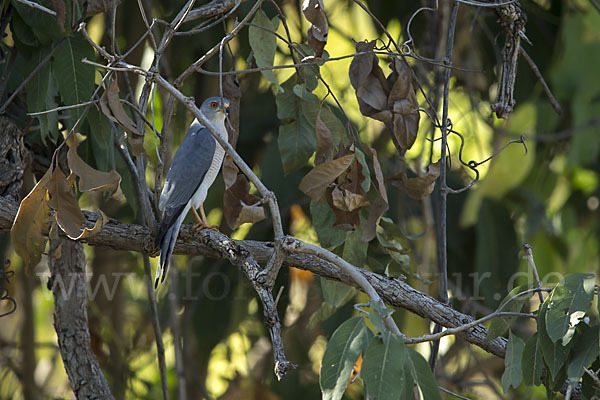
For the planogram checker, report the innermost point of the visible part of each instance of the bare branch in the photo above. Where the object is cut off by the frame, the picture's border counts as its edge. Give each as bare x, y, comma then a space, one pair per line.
37, 7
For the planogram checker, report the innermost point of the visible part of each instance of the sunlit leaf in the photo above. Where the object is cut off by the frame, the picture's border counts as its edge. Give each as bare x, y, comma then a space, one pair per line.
263, 44
318, 30
568, 304
31, 223
341, 354
555, 354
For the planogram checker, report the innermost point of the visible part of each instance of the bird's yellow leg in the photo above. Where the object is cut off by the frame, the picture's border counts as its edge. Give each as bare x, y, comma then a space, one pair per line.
202, 222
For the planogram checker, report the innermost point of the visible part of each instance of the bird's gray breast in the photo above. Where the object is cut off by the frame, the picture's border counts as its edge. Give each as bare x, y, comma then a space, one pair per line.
191, 164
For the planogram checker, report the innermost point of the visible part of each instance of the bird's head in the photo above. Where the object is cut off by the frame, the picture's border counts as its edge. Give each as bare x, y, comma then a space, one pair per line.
215, 108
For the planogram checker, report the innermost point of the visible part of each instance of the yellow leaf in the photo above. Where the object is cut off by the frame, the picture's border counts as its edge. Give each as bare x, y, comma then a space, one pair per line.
68, 215
32, 221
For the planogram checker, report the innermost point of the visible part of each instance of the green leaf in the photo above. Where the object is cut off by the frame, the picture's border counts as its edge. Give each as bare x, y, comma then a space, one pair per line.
264, 45
102, 140
513, 374
336, 293
555, 354
424, 378
341, 353
75, 80
532, 362
296, 139
383, 367
39, 92
500, 325
43, 25
323, 219
568, 303
355, 251
585, 350
360, 156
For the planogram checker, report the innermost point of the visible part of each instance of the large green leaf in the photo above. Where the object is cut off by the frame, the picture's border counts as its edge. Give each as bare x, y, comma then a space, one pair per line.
423, 376
75, 80
336, 293
44, 26
40, 92
296, 139
323, 219
355, 251
264, 44
532, 362
500, 325
585, 350
383, 368
567, 304
555, 354
513, 374
341, 353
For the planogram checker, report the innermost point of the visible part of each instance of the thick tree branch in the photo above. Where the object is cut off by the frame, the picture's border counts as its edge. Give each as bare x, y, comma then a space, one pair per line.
68, 284
394, 292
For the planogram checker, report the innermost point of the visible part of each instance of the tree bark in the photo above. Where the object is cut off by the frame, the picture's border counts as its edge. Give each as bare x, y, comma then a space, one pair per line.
67, 282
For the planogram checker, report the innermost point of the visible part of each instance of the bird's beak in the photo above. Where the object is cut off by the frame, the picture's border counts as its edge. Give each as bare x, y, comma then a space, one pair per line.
227, 109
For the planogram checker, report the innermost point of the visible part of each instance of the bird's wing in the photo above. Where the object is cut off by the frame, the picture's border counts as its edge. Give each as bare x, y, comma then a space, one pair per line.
191, 162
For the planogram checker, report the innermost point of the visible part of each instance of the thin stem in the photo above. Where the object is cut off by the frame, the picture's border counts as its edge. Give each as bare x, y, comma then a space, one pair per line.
160, 346
37, 7
529, 256
443, 190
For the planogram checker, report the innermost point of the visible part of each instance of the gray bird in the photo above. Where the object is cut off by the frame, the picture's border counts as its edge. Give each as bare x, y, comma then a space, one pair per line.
193, 170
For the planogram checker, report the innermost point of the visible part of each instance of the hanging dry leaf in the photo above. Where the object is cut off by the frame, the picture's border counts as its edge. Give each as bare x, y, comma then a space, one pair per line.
344, 220
391, 100
317, 32
240, 206
345, 200
32, 221
379, 205
315, 183
68, 214
325, 148
111, 106
419, 187
90, 179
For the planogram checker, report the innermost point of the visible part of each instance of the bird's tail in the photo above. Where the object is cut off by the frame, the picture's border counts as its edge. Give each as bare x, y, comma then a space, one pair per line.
167, 243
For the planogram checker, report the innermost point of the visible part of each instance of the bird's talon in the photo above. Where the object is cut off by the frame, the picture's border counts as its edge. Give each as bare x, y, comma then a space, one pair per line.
199, 227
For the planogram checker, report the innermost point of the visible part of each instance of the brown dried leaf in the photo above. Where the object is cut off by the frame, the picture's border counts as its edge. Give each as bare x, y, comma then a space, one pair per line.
380, 204
419, 187
345, 200
111, 106
66, 209
315, 183
344, 220
61, 12
240, 206
230, 171
91, 179
325, 148
100, 222
354, 178
32, 221
317, 33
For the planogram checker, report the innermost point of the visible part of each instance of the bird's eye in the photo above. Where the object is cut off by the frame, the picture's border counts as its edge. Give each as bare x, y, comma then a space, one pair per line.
214, 104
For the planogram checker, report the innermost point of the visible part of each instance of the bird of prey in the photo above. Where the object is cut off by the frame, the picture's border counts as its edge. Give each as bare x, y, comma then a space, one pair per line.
193, 170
